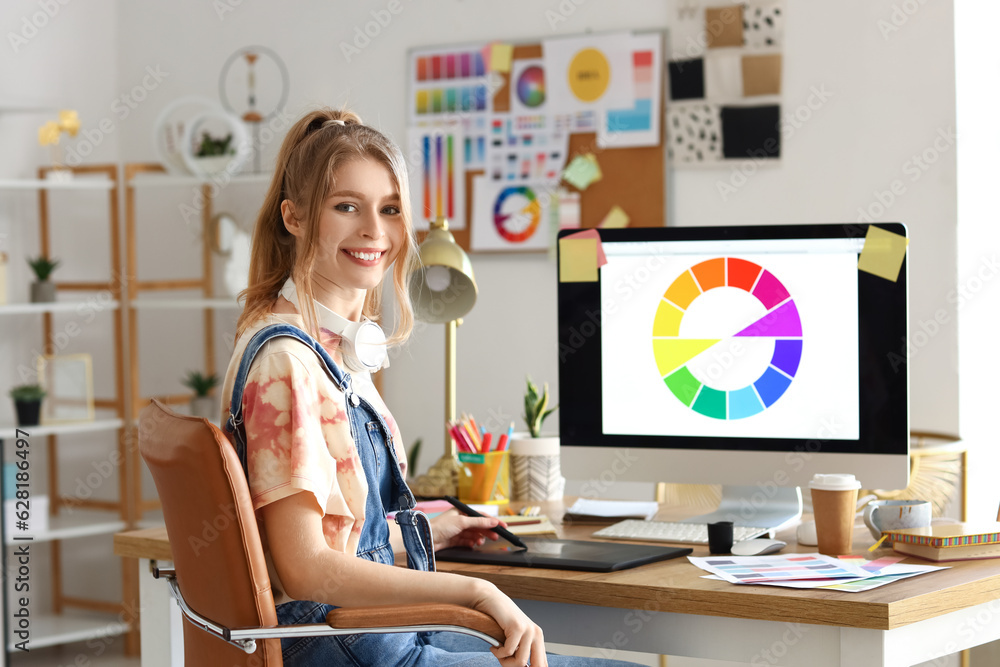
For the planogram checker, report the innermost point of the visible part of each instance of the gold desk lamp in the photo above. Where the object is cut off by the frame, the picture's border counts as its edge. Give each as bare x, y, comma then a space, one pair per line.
442, 290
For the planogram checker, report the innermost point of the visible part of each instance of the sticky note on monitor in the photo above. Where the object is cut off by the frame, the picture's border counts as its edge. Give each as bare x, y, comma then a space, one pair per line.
578, 260
883, 253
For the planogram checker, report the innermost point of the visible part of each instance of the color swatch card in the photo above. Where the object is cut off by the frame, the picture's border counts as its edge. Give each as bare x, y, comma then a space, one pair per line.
436, 164
448, 81
784, 567
525, 147
637, 124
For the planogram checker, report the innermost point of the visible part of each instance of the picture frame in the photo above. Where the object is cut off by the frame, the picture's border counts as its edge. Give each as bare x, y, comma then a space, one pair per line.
69, 388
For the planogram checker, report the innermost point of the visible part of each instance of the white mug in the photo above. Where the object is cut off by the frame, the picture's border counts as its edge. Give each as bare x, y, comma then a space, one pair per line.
883, 515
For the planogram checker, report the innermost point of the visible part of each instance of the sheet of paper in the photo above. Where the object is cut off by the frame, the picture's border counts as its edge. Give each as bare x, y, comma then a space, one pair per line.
448, 83
779, 567
500, 57
888, 575
578, 260
590, 72
511, 217
638, 123
614, 508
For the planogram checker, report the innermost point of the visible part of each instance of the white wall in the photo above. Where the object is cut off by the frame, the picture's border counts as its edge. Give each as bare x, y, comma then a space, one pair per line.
887, 95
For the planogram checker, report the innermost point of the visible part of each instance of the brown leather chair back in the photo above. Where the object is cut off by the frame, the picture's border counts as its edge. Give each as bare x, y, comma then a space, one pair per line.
213, 535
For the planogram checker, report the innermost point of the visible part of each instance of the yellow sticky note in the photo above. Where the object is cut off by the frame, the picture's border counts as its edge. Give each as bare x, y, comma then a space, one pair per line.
500, 57
582, 171
616, 218
883, 253
577, 260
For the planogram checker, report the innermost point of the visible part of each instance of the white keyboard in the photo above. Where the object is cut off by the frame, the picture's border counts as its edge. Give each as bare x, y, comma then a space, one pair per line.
668, 531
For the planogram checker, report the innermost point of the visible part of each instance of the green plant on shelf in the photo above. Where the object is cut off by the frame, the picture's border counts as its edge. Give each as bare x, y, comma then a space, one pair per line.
27, 392
212, 147
199, 383
536, 407
43, 267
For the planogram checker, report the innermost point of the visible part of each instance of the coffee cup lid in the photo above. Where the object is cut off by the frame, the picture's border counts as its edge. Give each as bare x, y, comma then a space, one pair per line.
837, 482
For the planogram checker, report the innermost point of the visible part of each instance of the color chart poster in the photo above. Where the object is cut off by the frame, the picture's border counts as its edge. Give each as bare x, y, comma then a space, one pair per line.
724, 85
437, 173
510, 216
748, 345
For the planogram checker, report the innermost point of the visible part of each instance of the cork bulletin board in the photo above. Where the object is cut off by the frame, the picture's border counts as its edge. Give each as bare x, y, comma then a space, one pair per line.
512, 141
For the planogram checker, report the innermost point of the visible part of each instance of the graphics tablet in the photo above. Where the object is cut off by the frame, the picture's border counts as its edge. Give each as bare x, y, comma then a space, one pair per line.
564, 554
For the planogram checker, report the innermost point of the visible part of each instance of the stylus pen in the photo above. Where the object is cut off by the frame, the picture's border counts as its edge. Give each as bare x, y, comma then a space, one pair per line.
499, 530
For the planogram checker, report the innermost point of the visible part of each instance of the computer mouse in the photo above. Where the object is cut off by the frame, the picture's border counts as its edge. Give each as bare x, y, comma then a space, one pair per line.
805, 534
757, 547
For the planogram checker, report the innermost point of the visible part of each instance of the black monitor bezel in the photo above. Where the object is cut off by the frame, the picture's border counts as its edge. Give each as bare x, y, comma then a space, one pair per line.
883, 370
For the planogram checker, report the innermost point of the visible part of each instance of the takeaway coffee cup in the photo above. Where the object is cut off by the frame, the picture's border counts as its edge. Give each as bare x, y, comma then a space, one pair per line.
834, 498
883, 515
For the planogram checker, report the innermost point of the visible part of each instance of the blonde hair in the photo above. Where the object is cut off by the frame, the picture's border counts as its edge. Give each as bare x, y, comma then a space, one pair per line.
317, 145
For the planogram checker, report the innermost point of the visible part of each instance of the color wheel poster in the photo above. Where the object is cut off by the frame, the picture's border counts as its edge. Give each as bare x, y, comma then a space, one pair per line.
747, 344
510, 216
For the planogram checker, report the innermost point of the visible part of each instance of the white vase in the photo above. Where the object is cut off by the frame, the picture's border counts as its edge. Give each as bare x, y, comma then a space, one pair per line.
207, 407
534, 468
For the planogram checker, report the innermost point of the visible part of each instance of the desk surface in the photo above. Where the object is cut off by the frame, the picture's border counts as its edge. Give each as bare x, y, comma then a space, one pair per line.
677, 586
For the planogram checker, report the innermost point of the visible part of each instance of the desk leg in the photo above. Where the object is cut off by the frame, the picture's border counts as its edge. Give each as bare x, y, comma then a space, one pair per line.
162, 632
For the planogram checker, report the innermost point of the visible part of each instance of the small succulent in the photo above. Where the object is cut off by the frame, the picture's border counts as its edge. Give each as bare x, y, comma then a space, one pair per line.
43, 266
200, 383
535, 405
27, 392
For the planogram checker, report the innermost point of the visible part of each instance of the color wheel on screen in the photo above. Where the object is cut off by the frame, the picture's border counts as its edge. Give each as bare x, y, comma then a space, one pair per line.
727, 338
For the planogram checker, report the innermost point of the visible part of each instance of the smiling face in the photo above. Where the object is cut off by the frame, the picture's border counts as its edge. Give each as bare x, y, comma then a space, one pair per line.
360, 233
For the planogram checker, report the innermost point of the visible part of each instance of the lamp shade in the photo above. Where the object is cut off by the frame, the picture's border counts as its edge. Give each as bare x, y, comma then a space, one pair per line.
443, 288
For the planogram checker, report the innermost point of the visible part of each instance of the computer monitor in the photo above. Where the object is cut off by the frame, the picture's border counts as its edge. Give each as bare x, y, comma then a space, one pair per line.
753, 356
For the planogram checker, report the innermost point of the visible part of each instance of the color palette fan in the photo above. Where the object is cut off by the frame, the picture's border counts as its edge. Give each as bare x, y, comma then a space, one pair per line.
710, 304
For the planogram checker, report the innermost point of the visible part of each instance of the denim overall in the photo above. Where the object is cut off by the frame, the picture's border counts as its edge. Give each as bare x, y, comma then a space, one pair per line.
387, 492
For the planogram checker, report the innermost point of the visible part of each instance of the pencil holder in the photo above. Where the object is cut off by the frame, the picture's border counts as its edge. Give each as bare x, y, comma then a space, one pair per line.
536, 470
484, 478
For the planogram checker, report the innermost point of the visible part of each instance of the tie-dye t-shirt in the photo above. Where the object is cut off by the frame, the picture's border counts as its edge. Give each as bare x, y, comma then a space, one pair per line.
298, 434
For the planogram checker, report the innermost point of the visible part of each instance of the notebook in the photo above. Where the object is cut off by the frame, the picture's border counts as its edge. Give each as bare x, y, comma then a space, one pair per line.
564, 554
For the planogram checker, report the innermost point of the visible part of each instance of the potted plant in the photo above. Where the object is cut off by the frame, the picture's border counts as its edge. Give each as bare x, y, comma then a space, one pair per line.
203, 404
214, 154
43, 290
27, 403
534, 458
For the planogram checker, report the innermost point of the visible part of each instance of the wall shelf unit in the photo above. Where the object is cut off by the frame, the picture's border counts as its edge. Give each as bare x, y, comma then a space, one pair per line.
75, 618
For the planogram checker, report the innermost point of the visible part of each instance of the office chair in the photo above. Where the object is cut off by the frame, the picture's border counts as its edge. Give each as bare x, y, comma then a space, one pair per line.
219, 577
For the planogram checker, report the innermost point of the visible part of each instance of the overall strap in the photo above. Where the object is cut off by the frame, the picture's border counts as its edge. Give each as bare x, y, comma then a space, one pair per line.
235, 421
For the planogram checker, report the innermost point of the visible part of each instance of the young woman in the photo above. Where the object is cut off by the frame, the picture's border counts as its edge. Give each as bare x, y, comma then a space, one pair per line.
324, 457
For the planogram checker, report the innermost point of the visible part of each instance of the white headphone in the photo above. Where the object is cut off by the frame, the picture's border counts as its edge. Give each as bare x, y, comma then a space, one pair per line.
362, 344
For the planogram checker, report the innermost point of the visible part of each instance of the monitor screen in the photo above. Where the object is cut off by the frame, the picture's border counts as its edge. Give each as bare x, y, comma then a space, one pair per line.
729, 354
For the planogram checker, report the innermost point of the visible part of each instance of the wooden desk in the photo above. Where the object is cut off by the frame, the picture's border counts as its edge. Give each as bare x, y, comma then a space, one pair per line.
669, 608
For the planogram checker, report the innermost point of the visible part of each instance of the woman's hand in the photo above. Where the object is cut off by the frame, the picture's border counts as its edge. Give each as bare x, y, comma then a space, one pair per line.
453, 529
524, 643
